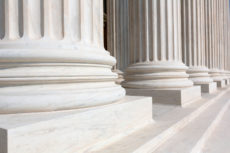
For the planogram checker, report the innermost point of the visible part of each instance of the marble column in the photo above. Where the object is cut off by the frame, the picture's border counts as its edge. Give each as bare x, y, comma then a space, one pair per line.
194, 42
117, 34
228, 42
225, 38
222, 38
211, 57
216, 71
155, 51
52, 56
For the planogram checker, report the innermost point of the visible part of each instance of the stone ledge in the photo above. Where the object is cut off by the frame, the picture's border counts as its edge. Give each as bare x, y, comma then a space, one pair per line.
180, 97
71, 131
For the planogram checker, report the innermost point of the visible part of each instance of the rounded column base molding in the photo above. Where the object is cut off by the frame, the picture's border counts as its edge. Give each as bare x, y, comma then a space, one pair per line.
88, 54
228, 74
52, 80
199, 75
120, 74
224, 74
157, 75
158, 84
197, 80
56, 97
216, 75
34, 67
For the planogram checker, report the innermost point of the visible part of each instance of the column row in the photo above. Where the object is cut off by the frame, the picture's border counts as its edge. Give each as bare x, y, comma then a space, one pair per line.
165, 34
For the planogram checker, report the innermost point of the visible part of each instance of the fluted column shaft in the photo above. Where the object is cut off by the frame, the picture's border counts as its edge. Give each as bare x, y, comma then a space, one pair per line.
222, 37
221, 31
228, 40
215, 24
155, 46
117, 34
52, 56
210, 36
225, 39
193, 40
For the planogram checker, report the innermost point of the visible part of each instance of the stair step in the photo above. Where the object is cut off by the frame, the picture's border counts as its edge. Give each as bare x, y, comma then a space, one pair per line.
219, 141
192, 138
148, 139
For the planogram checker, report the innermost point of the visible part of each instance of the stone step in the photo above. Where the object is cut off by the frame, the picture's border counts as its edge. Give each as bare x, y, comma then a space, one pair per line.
148, 139
71, 130
219, 141
192, 138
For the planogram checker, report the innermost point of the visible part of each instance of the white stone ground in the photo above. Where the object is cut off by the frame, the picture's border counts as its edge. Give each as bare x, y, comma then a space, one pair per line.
202, 127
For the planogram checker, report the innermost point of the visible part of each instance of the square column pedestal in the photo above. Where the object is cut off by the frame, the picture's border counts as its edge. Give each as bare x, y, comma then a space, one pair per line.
182, 97
221, 84
227, 81
208, 88
75, 130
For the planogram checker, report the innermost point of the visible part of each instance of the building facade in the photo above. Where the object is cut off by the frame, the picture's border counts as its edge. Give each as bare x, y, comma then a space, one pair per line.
100, 76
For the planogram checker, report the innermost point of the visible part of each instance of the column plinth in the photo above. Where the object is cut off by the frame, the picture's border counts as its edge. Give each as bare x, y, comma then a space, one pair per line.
199, 75
56, 59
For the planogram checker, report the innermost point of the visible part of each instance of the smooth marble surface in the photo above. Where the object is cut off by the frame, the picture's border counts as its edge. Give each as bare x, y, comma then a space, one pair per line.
191, 121
196, 134
219, 139
76, 130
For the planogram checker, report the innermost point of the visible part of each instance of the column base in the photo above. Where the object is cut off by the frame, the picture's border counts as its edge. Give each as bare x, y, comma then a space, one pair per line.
221, 83
182, 97
58, 97
76, 130
208, 88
